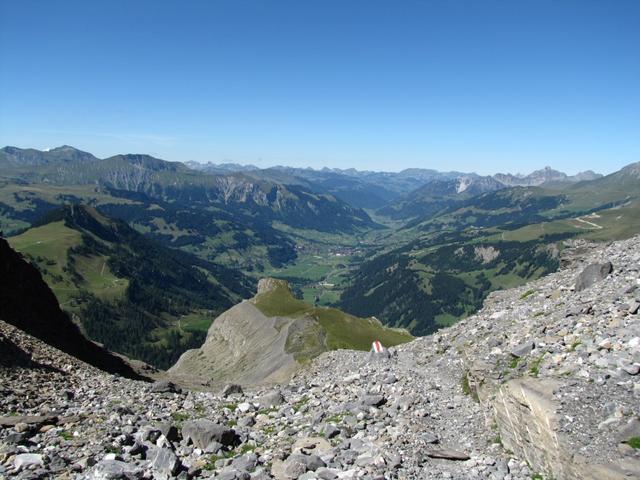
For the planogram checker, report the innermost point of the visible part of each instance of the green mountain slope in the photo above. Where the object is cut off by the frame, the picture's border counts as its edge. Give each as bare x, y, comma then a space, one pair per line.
130, 293
433, 281
29, 304
234, 238
342, 330
518, 206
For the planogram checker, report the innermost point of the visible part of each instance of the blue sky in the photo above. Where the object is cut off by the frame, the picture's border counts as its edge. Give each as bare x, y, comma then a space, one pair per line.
473, 85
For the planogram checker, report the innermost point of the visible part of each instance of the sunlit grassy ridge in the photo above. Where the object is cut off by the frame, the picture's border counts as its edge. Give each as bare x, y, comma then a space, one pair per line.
341, 329
48, 247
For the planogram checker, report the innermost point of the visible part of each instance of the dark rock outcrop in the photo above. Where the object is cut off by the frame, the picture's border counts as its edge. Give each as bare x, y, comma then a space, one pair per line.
28, 303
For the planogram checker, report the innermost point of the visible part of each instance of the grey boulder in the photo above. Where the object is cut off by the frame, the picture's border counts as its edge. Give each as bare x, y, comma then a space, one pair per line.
202, 432
165, 386
113, 470
271, 399
523, 349
592, 274
164, 462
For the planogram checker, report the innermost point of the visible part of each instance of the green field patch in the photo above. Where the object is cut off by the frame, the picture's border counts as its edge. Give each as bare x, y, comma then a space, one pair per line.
279, 302
48, 247
347, 331
196, 321
50, 241
445, 319
98, 278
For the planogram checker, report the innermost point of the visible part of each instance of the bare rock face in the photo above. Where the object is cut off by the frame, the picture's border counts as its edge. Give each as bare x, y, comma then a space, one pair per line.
266, 285
568, 406
243, 346
530, 427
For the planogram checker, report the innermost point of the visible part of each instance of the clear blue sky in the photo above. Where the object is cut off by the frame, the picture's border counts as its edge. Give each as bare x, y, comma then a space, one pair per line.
448, 84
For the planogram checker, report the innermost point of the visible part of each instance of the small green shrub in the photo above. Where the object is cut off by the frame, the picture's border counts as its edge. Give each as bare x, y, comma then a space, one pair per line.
514, 362
337, 417
179, 416
211, 462
534, 369
466, 387
526, 294
300, 404
266, 411
634, 442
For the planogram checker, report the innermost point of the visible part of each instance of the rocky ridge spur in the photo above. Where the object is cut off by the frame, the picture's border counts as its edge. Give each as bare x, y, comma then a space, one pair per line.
542, 383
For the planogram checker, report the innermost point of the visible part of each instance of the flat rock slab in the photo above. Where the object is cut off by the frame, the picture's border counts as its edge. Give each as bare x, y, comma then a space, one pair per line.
310, 445
165, 386
25, 460
447, 454
523, 349
113, 469
8, 422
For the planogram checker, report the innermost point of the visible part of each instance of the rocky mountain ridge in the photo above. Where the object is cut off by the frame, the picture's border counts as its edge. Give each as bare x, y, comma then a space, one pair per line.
542, 383
268, 338
542, 176
361, 189
535, 178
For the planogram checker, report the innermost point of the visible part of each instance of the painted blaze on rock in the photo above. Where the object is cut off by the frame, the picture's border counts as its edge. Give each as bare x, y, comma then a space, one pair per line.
378, 350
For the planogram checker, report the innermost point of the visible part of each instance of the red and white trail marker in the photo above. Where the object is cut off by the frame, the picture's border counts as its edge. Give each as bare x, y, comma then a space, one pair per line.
378, 351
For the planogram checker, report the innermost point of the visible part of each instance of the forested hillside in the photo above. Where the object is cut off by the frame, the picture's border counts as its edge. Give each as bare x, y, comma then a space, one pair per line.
130, 293
428, 284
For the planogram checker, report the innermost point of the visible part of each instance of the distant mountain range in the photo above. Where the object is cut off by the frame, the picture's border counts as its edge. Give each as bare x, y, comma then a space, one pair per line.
291, 194
538, 177
544, 176
19, 157
292, 204
374, 190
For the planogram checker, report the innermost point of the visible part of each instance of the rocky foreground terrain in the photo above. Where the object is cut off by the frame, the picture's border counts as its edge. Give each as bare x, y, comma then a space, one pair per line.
542, 383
